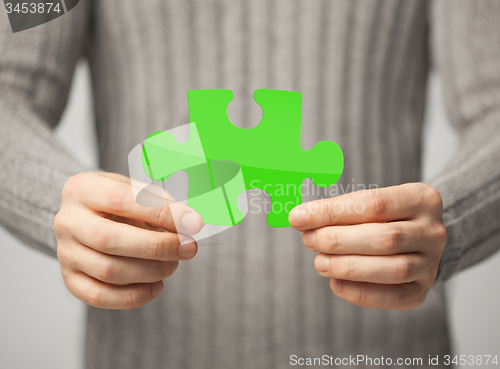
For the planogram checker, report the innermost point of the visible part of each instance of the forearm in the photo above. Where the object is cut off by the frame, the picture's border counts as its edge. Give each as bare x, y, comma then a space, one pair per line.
466, 49
36, 69
470, 189
33, 170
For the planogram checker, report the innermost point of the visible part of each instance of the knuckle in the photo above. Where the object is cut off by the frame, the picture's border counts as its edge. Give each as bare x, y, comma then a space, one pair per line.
432, 198
361, 296
376, 205
132, 298
118, 198
334, 241
168, 268
72, 186
157, 249
392, 238
61, 222
349, 268
106, 271
332, 215
416, 302
400, 297
61, 253
404, 269
100, 236
346, 268
94, 296
441, 234
162, 215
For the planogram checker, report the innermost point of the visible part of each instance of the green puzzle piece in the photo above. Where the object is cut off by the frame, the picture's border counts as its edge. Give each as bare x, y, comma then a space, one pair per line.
270, 156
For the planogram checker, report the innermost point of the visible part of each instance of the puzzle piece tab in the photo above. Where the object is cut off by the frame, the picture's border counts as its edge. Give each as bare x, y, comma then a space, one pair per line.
270, 155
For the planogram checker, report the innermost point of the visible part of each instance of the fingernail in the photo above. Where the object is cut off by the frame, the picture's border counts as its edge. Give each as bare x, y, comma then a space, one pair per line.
156, 288
308, 238
191, 222
322, 263
298, 217
336, 285
187, 250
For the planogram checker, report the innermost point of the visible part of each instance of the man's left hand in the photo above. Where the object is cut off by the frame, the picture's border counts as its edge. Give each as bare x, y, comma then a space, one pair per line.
381, 248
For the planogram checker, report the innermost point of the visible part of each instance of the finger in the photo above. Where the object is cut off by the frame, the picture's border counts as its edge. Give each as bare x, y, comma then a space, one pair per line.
141, 186
139, 224
394, 269
116, 176
380, 296
116, 197
121, 239
377, 205
367, 239
107, 296
117, 269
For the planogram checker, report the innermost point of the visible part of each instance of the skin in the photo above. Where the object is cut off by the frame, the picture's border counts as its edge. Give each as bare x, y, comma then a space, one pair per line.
113, 252
380, 248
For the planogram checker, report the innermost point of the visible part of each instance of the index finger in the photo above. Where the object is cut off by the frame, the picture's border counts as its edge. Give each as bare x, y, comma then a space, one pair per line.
117, 197
367, 206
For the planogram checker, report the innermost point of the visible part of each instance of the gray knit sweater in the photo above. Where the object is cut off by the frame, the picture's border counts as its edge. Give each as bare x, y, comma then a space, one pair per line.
251, 297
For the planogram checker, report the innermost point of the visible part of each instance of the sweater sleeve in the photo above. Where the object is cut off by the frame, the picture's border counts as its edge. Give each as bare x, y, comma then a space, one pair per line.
36, 68
465, 38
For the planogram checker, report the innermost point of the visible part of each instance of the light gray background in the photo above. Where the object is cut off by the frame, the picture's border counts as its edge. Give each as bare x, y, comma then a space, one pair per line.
42, 324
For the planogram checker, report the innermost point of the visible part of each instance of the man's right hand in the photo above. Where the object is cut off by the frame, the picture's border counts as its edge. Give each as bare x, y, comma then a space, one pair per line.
114, 253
